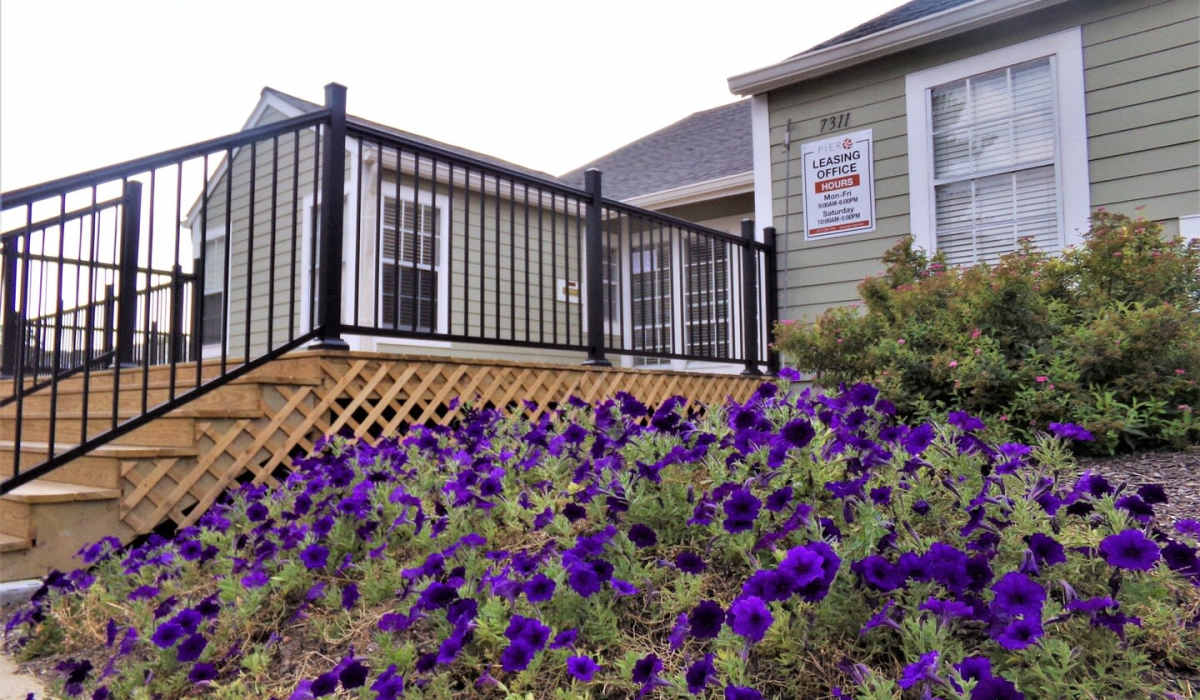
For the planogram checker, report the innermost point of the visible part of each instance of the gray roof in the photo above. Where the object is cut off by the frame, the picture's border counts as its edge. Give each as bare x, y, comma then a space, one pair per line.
909, 11
306, 106
704, 146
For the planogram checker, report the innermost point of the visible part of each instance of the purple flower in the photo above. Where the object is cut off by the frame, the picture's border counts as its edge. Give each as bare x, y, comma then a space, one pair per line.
879, 573
314, 556
255, 579
581, 667
801, 566
741, 508
349, 596
1091, 605
1071, 431
699, 674
646, 669
706, 619
353, 675
516, 657
690, 562
1046, 550
750, 618
1017, 594
964, 421
190, 649
324, 684
918, 439
920, 507
167, 634
565, 639
778, 499
1129, 550
539, 589
798, 432
1188, 526
920, 671
642, 536
202, 672
1019, 633
738, 692
583, 579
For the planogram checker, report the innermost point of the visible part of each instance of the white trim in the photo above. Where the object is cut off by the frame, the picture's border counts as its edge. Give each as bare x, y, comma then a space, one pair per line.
1189, 227
739, 183
923, 30
1071, 150
760, 135
210, 350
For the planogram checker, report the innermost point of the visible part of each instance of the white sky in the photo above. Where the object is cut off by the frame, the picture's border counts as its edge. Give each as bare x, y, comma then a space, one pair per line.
548, 85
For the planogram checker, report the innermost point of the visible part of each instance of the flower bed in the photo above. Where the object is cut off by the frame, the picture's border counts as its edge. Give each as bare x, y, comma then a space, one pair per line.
793, 546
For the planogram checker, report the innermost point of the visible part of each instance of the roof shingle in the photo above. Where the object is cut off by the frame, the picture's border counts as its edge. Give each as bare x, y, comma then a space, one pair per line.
909, 11
703, 146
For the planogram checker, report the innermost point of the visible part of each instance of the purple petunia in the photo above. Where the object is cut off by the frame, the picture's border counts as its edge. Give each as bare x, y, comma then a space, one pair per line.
646, 669
539, 589
642, 536
1046, 550
190, 649
1019, 633
706, 619
516, 657
202, 672
737, 692
798, 432
741, 509
314, 556
920, 671
690, 562
1017, 594
699, 674
750, 618
167, 634
1129, 550
1071, 431
582, 667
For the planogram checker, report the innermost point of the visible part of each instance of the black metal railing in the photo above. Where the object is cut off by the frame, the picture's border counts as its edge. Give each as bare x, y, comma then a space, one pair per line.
318, 228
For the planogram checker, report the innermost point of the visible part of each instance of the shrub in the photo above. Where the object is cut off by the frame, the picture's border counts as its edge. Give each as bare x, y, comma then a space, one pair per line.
1106, 335
791, 546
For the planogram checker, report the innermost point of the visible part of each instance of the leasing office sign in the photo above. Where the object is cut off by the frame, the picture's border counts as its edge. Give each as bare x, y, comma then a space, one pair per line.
839, 185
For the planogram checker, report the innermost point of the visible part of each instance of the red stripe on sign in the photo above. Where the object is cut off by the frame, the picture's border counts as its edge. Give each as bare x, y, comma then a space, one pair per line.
839, 183
839, 227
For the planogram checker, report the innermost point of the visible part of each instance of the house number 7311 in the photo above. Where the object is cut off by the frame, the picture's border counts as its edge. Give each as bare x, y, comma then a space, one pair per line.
835, 122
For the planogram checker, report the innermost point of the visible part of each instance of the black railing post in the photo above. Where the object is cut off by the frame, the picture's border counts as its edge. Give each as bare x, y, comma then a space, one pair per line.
10, 348
176, 324
595, 283
749, 299
771, 282
333, 177
131, 211
106, 345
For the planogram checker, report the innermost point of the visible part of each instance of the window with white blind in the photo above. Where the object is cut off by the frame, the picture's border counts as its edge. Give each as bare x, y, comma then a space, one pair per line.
997, 151
706, 296
212, 321
650, 294
409, 265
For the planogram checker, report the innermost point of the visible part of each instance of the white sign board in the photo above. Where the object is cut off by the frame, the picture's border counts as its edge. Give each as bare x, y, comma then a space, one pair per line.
567, 290
839, 186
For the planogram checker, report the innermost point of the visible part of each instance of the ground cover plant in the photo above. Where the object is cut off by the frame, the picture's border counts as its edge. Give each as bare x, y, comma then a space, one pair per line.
794, 545
1106, 335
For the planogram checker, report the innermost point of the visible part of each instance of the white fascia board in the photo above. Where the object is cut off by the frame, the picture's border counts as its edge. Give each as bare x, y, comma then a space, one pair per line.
739, 183
920, 31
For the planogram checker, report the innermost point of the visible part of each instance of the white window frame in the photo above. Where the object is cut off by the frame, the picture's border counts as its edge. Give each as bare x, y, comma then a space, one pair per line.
218, 233
1071, 161
442, 204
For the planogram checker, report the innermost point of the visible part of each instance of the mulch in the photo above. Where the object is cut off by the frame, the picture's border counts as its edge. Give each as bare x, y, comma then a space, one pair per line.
1177, 472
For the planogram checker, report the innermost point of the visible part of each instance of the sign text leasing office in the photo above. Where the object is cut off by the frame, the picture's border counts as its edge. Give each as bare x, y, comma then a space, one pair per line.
839, 186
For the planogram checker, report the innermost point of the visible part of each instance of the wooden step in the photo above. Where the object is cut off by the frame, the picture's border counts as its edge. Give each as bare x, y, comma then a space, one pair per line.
17, 506
100, 467
8, 543
168, 430
237, 396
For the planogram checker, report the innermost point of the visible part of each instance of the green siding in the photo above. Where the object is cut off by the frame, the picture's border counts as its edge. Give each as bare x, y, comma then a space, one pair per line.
1142, 100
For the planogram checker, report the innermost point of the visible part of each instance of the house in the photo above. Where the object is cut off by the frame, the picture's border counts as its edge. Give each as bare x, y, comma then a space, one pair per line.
664, 294
975, 122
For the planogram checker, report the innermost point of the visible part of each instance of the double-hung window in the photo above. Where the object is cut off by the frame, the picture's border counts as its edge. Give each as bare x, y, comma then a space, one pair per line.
997, 151
212, 322
409, 265
650, 300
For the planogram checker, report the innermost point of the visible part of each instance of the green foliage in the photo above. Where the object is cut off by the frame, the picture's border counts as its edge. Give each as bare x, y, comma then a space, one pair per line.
1106, 335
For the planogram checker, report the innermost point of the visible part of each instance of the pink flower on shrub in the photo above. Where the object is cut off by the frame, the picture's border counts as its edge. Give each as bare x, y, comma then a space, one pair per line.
1004, 417
953, 363
1184, 407
1050, 387
1041, 378
975, 333
900, 341
1179, 370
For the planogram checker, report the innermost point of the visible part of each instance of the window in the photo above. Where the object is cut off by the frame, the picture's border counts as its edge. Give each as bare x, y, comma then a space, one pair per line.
651, 313
409, 265
997, 151
706, 297
212, 323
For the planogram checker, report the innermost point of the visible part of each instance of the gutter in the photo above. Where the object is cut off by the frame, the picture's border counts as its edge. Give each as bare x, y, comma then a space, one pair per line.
917, 32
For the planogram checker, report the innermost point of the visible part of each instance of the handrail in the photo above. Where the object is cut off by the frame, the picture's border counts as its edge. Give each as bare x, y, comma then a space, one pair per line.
184, 277
26, 195
629, 209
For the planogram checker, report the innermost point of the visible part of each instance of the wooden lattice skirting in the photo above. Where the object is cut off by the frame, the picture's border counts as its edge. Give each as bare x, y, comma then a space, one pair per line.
371, 395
